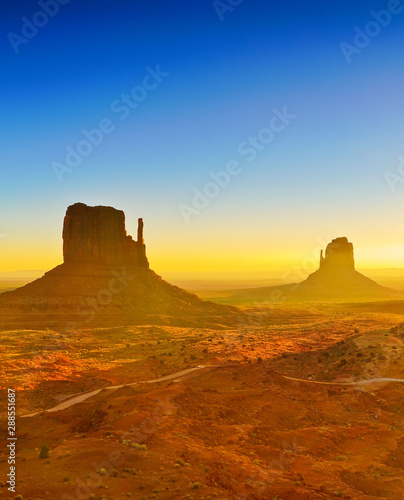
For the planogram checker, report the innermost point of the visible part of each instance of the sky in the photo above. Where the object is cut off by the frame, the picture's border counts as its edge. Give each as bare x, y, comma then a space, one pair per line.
247, 134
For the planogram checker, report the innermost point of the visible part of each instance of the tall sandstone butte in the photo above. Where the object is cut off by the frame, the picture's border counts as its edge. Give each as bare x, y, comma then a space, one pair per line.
105, 280
337, 279
97, 235
339, 255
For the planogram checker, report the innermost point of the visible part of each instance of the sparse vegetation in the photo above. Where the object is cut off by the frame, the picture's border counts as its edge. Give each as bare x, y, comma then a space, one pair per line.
235, 411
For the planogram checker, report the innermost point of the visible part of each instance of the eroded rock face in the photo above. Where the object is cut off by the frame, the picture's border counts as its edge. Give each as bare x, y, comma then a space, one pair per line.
339, 254
105, 280
97, 235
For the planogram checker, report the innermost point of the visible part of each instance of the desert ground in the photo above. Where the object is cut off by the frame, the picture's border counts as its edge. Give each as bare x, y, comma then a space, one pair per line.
211, 414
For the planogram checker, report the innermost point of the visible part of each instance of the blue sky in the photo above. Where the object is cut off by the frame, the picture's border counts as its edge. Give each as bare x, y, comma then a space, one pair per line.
322, 176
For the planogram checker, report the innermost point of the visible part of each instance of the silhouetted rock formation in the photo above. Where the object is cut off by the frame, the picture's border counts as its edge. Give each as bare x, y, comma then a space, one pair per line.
97, 235
105, 280
338, 255
335, 280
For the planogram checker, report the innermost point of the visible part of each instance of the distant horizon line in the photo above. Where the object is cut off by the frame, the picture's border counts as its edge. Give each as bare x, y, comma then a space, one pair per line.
18, 273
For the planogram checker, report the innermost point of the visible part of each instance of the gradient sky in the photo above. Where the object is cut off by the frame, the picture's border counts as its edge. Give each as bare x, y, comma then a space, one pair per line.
322, 177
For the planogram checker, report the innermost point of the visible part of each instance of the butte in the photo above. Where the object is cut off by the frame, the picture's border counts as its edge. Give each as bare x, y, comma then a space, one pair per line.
105, 280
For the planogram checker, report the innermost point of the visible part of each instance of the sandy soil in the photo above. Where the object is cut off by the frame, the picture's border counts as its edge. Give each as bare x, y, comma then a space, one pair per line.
236, 429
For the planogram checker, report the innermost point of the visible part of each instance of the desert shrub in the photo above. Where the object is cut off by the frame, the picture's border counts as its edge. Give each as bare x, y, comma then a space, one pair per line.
139, 446
44, 453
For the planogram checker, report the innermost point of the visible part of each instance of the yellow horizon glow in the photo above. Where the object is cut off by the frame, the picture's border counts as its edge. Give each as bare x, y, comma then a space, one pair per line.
194, 260
217, 242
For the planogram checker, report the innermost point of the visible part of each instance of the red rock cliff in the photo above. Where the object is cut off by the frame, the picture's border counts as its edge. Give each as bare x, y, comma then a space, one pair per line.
97, 235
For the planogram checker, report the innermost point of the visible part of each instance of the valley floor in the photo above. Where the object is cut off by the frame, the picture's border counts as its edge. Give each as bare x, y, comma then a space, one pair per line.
230, 425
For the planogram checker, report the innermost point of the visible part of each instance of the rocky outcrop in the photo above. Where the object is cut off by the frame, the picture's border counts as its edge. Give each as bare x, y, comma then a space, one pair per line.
105, 280
337, 279
339, 254
97, 235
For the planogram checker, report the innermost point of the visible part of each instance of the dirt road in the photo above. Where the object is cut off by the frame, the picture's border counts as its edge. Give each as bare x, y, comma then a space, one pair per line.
82, 397
360, 382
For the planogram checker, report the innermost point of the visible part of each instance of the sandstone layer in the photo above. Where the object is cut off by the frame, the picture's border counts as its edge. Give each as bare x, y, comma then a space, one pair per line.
97, 235
105, 280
